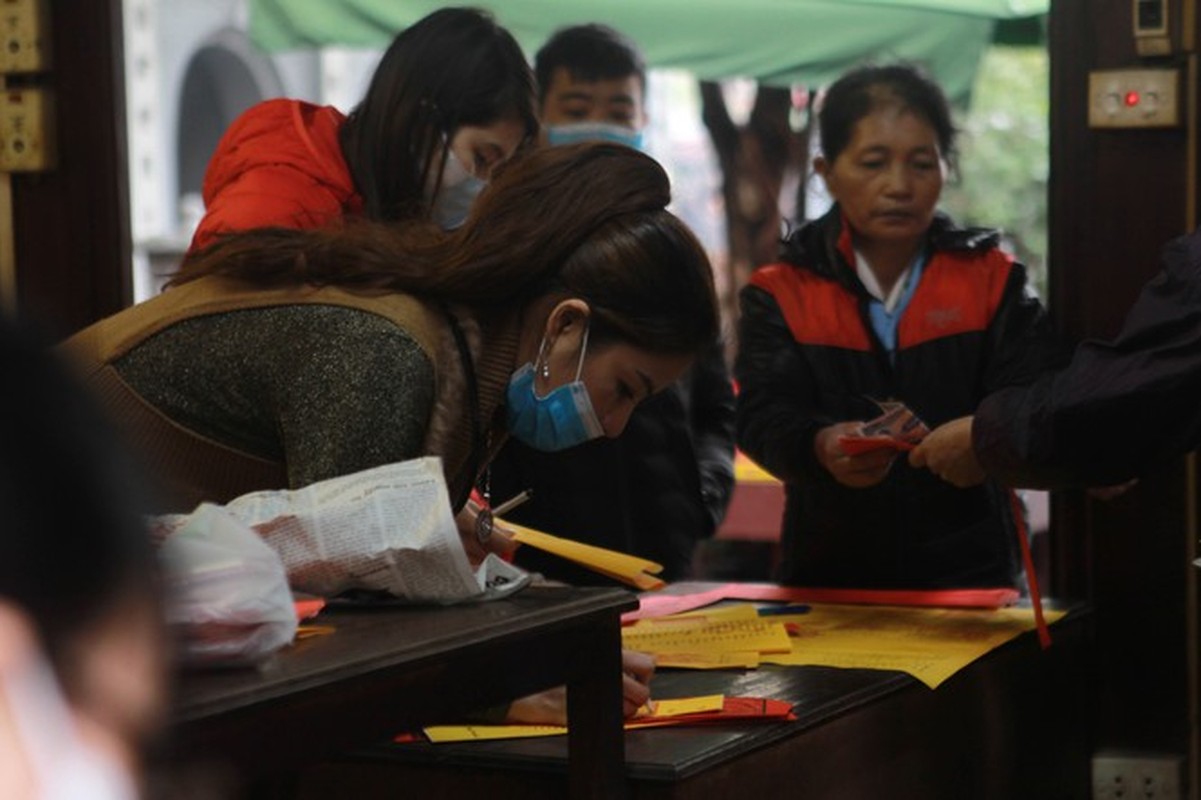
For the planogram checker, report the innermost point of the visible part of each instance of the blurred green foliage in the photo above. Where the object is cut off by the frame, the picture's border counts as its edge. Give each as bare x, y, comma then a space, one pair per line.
1003, 154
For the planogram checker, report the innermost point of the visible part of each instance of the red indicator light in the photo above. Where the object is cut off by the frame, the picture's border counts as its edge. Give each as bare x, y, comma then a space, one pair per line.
1131, 98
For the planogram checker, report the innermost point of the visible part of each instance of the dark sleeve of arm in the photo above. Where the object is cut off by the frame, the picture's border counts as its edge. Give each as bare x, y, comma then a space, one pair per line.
1021, 343
775, 420
1119, 407
360, 403
712, 419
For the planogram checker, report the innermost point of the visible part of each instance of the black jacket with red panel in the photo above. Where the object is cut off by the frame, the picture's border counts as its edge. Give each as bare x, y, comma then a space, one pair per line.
808, 357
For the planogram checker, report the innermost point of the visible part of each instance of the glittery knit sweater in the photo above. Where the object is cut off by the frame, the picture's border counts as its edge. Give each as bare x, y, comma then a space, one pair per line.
231, 389
305, 385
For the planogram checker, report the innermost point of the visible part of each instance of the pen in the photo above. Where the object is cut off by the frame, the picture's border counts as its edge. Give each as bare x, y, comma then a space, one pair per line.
512, 503
768, 611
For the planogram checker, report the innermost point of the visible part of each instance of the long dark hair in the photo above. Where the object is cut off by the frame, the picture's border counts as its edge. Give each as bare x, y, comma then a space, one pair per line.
586, 220
452, 68
67, 565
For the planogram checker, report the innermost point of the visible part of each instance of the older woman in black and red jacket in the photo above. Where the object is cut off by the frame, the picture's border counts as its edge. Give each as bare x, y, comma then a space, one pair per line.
883, 299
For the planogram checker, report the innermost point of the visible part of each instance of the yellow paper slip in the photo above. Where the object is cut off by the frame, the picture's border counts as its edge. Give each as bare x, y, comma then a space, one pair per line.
444, 734
632, 570
730, 613
658, 710
747, 471
740, 636
733, 660
680, 706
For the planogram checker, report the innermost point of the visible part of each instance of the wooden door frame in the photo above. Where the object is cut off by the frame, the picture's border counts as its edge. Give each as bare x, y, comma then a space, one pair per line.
71, 224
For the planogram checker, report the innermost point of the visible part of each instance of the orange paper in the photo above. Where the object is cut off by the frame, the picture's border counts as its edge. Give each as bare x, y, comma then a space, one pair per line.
308, 608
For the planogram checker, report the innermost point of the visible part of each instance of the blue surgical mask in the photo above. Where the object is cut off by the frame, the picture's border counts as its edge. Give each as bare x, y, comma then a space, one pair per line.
575, 132
563, 418
455, 194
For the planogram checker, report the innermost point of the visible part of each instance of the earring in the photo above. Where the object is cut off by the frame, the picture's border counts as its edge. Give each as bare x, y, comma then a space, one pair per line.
542, 363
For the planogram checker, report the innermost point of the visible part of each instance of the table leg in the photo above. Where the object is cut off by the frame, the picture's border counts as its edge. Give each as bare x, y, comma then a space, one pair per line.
596, 740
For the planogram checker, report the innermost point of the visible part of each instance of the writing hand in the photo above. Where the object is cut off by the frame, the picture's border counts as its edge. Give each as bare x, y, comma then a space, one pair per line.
637, 669
550, 707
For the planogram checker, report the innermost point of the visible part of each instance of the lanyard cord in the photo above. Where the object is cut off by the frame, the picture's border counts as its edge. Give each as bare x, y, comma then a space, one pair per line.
473, 402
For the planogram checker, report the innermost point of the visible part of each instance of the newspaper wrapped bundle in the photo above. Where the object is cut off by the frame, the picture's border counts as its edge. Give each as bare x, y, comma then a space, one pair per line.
387, 529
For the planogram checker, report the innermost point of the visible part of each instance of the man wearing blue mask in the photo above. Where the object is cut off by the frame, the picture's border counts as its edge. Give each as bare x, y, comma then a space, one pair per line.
592, 85
664, 484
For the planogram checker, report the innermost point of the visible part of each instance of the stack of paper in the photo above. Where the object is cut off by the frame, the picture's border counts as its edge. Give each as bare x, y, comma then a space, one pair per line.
931, 644
733, 636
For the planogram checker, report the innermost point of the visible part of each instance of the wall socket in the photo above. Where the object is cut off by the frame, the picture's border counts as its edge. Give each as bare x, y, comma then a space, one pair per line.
1124, 775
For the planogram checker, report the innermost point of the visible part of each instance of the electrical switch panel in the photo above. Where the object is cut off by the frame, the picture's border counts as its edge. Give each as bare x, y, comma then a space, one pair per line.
24, 36
1134, 98
26, 120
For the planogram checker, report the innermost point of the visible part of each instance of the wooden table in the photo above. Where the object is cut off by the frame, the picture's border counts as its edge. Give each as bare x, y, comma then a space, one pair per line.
388, 670
1014, 724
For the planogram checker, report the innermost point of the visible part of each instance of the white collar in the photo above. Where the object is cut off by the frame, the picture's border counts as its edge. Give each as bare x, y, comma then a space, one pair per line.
868, 278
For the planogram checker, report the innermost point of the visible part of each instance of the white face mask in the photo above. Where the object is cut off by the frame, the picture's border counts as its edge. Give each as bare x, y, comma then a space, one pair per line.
63, 764
455, 194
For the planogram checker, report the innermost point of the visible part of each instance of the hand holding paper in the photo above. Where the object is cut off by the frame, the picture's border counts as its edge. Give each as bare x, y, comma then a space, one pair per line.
637, 670
897, 429
947, 452
857, 470
550, 707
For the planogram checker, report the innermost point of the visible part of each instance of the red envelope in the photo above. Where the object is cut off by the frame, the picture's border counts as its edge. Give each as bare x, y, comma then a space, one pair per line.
858, 445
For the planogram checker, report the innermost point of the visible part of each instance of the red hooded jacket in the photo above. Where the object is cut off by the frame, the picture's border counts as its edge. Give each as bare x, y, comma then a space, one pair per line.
278, 164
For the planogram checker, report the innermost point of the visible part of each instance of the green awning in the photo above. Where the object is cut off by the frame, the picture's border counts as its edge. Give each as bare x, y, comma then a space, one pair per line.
781, 42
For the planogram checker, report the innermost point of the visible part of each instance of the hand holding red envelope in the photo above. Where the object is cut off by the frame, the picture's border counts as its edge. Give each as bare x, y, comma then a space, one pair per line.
897, 428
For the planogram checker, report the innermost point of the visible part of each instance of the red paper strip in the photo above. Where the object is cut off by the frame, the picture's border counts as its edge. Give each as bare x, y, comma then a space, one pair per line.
308, 608
1019, 518
858, 445
948, 598
661, 605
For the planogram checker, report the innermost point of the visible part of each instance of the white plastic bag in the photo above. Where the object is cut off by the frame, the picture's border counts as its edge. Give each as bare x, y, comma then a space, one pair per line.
227, 591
